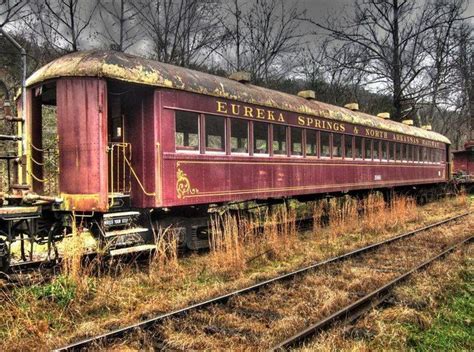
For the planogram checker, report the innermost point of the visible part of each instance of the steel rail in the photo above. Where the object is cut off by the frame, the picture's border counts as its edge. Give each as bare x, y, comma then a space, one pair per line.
97, 340
356, 309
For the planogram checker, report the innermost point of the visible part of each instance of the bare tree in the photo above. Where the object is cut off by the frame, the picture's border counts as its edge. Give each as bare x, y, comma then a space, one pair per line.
120, 23
231, 21
183, 32
386, 41
261, 36
62, 24
11, 10
465, 70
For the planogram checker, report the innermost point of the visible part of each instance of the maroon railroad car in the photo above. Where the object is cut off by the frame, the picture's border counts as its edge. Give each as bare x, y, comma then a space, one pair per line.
463, 160
136, 135
463, 166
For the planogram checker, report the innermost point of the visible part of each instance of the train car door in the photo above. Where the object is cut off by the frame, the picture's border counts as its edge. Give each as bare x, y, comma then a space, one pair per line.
119, 149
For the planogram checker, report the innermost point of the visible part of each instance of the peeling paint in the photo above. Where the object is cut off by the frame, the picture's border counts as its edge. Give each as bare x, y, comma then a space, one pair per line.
128, 68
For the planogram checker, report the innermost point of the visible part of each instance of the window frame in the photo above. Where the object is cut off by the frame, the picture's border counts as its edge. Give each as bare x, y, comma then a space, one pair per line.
365, 149
344, 152
384, 148
320, 149
230, 152
269, 138
224, 142
341, 146
185, 149
316, 143
361, 147
290, 137
285, 154
377, 142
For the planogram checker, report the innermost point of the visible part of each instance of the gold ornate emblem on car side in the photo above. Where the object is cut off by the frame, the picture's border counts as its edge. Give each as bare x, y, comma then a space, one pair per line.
183, 185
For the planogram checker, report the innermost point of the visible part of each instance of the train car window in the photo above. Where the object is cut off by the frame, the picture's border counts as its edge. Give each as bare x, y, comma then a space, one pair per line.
260, 138
279, 140
311, 143
239, 136
358, 147
390, 150
296, 141
215, 133
187, 130
337, 145
409, 154
367, 149
416, 154
398, 153
348, 152
376, 152
385, 152
325, 144
423, 154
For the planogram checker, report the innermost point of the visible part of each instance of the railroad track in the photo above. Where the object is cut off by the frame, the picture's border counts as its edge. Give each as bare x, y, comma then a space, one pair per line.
260, 316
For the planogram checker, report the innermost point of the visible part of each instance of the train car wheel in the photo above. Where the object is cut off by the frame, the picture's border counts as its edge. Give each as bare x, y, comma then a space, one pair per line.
422, 199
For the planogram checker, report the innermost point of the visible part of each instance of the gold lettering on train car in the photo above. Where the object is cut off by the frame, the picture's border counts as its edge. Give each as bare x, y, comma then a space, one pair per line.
271, 115
248, 111
374, 133
222, 107
301, 121
235, 109
281, 118
318, 123
260, 114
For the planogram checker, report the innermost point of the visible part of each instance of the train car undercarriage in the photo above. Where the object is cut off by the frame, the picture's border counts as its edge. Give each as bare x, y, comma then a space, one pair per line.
32, 220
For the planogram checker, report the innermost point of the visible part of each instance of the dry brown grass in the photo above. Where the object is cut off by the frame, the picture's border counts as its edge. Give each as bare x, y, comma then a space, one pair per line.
236, 240
164, 263
416, 303
33, 322
279, 310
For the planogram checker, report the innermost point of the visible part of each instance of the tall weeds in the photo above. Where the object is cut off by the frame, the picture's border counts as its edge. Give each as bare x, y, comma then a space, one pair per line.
74, 249
237, 239
164, 263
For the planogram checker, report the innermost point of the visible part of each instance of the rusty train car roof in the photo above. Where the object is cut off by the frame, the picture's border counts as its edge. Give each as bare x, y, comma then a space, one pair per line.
129, 68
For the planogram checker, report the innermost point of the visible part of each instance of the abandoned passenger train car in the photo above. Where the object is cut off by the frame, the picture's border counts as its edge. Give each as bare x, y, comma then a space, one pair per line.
136, 135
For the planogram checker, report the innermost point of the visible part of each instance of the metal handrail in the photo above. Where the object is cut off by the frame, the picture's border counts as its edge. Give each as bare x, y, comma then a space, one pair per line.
121, 171
150, 194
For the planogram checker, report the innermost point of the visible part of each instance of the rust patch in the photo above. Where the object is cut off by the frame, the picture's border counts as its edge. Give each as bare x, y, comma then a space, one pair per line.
82, 202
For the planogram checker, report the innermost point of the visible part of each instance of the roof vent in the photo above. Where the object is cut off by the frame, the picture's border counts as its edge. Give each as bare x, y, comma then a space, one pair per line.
408, 122
427, 127
307, 94
352, 106
241, 76
384, 115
